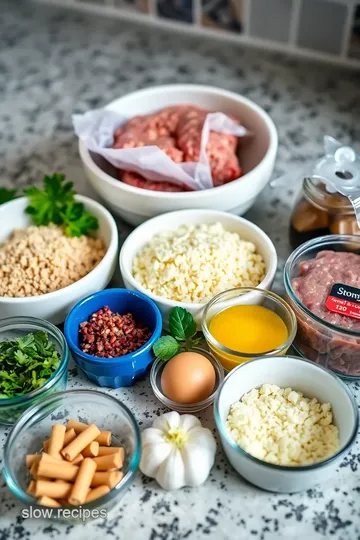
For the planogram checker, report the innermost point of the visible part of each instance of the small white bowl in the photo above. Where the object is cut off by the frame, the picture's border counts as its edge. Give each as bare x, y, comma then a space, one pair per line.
54, 306
257, 155
313, 381
171, 221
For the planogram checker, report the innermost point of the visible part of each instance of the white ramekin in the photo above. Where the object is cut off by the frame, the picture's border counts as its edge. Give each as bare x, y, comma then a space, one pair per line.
301, 375
54, 306
257, 156
171, 221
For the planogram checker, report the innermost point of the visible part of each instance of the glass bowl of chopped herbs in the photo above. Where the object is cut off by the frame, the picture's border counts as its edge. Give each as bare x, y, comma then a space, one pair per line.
34, 360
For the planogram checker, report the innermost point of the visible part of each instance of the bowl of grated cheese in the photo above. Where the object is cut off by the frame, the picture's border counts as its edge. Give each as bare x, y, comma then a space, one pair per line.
285, 423
185, 258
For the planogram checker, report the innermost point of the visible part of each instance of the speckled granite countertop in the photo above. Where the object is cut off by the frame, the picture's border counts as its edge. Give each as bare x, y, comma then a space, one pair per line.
53, 62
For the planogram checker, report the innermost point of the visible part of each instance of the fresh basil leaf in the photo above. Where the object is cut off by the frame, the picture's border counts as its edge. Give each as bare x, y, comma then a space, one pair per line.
181, 324
166, 347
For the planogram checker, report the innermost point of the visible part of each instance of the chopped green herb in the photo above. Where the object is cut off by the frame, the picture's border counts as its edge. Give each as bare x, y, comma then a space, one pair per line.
26, 364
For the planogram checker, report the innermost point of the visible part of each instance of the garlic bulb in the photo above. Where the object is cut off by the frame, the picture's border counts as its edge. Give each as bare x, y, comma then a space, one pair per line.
177, 451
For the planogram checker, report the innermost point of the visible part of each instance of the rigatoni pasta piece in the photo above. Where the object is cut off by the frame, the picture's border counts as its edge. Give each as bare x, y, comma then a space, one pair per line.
108, 478
104, 438
60, 469
48, 501
96, 493
82, 440
76, 460
112, 461
34, 468
91, 450
55, 490
56, 441
31, 488
106, 450
30, 458
83, 481
70, 435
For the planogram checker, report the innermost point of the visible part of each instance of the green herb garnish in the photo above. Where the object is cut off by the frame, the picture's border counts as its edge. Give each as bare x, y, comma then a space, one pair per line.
7, 195
26, 364
56, 204
182, 329
48, 204
166, 347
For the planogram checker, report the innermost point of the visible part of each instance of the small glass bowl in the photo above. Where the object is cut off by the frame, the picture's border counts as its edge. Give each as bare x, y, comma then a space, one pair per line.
14, 327
333, 347
155, 381
88, 406
250, 296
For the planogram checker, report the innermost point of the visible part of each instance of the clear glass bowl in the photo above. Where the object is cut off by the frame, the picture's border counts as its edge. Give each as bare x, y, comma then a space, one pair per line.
230, 358
331, 346
155, 381
14, 327
34, 426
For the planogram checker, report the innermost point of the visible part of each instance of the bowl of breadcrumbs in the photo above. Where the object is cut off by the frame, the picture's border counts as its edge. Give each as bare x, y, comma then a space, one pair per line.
43, 272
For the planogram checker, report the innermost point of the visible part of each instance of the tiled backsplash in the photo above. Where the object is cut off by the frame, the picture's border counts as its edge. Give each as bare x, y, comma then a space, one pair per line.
327, 29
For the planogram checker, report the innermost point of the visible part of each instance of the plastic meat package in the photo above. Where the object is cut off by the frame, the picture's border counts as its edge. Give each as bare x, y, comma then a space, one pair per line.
179, 148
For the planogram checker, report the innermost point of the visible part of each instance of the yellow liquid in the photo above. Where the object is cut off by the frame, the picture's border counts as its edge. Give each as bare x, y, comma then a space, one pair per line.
247, 329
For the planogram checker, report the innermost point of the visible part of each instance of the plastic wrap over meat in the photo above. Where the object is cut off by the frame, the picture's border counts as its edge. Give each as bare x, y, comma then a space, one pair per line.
179, 148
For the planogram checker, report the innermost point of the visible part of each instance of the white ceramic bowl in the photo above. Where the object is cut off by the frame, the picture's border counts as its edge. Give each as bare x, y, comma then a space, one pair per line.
54, 306
171, 221
257, 156
313, 381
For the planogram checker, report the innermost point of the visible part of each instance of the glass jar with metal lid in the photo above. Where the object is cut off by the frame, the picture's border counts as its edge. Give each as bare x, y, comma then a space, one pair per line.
317, 213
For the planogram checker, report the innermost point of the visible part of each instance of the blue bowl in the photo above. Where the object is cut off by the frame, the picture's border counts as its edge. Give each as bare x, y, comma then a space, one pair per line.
121, 370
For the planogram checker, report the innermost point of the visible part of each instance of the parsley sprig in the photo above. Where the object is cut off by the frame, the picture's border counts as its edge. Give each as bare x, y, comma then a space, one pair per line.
182, 328
7, 194
55, 203
26, 363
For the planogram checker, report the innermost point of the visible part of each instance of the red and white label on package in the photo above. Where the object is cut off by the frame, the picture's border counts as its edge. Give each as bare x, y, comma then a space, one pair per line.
344, 300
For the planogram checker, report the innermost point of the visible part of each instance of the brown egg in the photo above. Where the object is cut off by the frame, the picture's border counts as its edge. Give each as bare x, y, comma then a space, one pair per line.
188, 377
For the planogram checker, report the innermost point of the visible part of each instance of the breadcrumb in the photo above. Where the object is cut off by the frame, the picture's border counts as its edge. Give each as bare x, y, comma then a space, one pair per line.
40, 260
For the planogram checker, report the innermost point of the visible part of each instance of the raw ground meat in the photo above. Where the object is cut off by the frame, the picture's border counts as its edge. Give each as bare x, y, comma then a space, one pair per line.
177, 131
166, 144
136, 180
337, 351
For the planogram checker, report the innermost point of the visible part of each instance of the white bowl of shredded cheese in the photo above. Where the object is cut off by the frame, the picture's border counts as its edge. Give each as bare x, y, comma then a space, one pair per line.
41, 256
185, 258
285, 423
